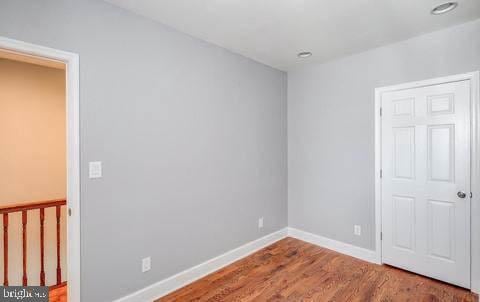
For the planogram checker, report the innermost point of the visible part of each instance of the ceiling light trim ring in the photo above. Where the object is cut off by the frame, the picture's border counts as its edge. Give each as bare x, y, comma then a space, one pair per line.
444, 8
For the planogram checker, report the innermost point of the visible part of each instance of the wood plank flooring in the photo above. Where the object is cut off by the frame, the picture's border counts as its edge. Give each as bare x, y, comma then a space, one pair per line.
293, 270
58, 294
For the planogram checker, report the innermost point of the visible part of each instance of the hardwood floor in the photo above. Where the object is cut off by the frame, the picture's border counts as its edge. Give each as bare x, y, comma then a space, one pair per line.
293, 270
58, 294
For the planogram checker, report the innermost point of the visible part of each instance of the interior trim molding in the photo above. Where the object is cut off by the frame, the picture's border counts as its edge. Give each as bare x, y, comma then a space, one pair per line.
190, 275
337, 246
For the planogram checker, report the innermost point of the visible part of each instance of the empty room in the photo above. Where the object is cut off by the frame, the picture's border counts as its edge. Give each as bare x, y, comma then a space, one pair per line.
204, 150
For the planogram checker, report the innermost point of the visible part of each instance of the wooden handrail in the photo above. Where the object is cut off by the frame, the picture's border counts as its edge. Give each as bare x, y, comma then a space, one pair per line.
31, 205
24, 207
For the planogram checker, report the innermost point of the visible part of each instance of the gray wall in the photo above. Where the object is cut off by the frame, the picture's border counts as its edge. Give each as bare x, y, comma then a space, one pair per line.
193, 140
331, 127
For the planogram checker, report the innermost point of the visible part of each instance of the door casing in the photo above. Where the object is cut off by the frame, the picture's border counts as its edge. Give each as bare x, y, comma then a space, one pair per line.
474, 79
72, 69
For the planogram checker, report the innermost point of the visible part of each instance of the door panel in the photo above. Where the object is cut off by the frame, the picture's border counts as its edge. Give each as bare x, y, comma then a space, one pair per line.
404, 222
440, 229
441, 149
404, 152
425, 162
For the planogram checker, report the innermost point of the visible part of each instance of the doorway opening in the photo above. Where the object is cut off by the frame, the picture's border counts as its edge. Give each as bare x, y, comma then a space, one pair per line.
39, 155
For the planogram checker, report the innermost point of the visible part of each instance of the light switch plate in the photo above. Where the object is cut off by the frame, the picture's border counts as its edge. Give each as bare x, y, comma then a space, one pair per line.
357, 230
146, 264
95, 169
260, 222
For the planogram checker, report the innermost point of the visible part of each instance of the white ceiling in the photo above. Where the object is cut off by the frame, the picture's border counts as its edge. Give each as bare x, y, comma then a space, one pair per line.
274, 31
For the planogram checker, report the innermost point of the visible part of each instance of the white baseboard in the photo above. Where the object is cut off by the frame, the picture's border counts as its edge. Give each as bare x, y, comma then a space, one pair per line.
190, 275
338, 246
475, 287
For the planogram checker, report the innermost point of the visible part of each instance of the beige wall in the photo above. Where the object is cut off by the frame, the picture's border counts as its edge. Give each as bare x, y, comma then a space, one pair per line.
32, 158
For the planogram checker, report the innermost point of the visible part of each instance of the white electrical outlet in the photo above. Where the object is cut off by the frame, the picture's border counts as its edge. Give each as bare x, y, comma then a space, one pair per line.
357, 230
95, 169
260, 222
146, 264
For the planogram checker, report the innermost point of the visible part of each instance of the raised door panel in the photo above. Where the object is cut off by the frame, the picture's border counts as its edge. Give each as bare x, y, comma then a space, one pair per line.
403, 222
403, 107
404, 152
441, 149
441, 229
440, 104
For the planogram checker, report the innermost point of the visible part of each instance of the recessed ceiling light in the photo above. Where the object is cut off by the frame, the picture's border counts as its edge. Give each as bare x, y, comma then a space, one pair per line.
304, 54
444, 8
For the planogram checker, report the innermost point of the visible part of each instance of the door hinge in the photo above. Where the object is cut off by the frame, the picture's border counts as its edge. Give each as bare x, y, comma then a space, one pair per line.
69, 212
381, 111
381, 173
381, 235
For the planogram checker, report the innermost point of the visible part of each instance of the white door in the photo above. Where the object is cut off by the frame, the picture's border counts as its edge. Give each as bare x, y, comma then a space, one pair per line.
426, 181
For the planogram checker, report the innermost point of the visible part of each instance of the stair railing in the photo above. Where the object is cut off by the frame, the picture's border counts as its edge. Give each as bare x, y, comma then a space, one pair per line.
25, 208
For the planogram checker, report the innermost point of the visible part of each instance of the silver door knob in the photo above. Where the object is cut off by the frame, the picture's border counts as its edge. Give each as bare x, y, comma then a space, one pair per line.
461, 194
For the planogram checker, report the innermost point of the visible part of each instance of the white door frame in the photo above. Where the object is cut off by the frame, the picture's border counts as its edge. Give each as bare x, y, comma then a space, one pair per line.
474, 78
71, 61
